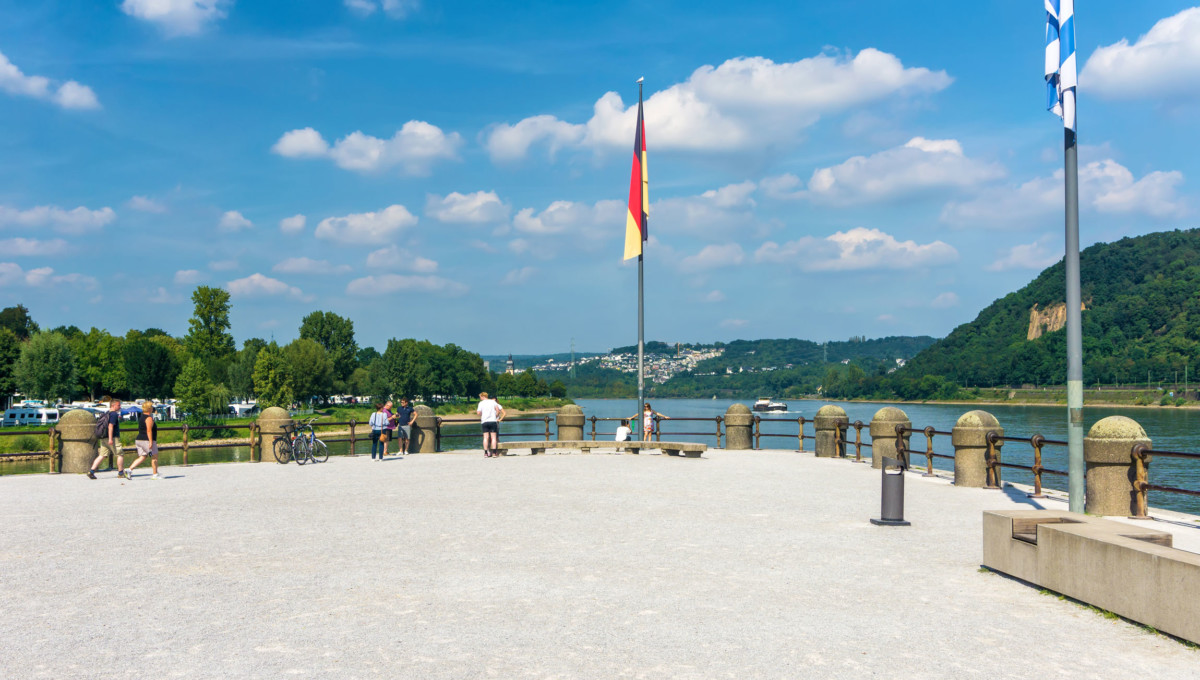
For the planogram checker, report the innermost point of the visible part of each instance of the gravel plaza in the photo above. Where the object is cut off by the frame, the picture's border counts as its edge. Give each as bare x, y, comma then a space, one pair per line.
740, 564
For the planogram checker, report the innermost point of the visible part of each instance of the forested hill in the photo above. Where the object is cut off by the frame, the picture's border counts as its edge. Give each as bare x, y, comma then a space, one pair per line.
1142, 300
768, 353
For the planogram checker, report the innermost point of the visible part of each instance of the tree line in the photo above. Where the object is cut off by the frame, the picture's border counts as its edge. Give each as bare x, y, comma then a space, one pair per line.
204, 370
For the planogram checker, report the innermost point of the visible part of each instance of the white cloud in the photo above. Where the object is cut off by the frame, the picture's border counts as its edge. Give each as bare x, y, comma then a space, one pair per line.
187, 277
713, 256
23, 247
715, 211
369, 228
733, 323
1037, 255
887, 318
714, 296
146, 204
480, 207
396, 9
1104, 186
392, 283
223, 265
177, 17
305, 265
305, 143
257, 285
392, 257
1163, 63
856, 249
744, 103
68, 95
919, 165
578, 219
517, 276
76, 221
945, 301
414, 148
162, 297
233, 221
293, 225
12, 274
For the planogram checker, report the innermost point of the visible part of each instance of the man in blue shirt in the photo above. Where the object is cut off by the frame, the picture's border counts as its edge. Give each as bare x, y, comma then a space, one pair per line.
405, 416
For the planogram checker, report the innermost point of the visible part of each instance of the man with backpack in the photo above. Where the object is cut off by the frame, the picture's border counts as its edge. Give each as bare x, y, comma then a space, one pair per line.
108, 435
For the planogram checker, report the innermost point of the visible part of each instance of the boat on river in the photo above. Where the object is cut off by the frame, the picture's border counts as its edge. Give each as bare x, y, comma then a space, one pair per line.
765, 404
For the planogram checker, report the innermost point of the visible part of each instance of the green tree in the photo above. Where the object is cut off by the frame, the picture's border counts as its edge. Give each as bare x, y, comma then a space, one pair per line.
557, 389
398, 371
100, 363
151, 368
241, 370
527, 384
366, 355
17, 320
193, 389
10, 351
208, 337
45, 369
336, 335
311, 369
272, 378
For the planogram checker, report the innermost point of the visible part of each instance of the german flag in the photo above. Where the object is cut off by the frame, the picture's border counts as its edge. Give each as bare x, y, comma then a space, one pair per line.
639, 201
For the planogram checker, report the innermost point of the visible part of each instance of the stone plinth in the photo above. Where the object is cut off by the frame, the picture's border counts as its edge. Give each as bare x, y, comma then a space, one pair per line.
1107, 453
969, 438
827, 422
738, 423
271, 422
569, 423
883, 434
424, 431
77, 428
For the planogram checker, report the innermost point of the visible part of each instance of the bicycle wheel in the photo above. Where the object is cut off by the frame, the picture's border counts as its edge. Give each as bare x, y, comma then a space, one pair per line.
283, 451
300, 450
320, 452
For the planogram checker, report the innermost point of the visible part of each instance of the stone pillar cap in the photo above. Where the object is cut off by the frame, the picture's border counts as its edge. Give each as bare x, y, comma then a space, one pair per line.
890, 414
740, 409
831, 411
423, 410
1117, 427
571, 408
977, 419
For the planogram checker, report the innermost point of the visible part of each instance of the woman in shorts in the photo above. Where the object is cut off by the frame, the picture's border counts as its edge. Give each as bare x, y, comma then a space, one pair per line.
147, 440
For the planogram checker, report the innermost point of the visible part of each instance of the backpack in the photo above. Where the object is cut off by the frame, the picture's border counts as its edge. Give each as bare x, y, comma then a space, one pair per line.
101, 431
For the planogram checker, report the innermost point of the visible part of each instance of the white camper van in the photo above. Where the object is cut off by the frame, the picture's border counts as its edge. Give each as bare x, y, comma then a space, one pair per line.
29, 415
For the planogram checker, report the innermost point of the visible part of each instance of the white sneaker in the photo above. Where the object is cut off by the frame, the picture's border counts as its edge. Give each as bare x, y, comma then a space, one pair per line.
154, 476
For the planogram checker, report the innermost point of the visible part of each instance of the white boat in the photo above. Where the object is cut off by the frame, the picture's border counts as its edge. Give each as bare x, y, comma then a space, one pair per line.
765, 404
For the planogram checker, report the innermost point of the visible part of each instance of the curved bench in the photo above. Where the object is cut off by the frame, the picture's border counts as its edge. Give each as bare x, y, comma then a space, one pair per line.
685, 449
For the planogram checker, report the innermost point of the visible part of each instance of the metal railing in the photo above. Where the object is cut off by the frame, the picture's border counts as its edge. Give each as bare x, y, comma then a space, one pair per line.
439, 435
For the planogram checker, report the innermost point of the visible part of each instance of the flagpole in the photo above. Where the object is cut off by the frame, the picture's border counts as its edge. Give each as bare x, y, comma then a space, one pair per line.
1075, 464
641, 311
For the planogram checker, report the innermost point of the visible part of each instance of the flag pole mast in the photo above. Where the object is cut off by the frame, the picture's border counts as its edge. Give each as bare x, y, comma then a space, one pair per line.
641, 306
1075, 464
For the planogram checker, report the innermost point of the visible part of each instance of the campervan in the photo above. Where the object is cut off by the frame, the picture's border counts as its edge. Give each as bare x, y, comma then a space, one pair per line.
29, 415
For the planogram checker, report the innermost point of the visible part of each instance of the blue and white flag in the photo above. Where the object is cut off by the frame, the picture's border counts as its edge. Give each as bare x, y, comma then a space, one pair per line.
1060, 60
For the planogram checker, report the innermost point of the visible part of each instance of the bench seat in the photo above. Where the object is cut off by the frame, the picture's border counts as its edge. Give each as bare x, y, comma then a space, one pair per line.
686, 449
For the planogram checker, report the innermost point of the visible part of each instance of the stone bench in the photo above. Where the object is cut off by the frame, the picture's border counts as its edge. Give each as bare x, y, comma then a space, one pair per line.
670, 448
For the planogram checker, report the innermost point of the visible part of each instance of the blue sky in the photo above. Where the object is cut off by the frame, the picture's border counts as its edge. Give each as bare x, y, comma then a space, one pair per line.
457, 171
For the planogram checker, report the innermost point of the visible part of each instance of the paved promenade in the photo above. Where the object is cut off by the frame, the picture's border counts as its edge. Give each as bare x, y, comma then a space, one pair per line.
738, 565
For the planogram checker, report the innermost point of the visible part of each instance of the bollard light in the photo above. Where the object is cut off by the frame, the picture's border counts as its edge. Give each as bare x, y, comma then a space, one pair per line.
892, 498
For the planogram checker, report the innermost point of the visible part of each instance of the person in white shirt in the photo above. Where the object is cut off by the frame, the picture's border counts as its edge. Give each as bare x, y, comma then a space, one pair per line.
378, 423
623, 432
490, 414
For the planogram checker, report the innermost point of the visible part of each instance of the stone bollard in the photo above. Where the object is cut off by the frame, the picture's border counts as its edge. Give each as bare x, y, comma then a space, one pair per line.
423, 438
1111, 472
969, 438
569, 423
739, 421
77, 428
883, 434
827, 422
271, 423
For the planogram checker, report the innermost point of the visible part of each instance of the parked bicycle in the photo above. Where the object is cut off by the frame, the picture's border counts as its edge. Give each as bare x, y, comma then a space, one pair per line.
300, 443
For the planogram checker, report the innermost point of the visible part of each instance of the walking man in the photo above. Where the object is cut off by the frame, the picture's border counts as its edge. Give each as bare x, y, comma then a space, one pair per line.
147, 440
490, 414
111, 444
405, 417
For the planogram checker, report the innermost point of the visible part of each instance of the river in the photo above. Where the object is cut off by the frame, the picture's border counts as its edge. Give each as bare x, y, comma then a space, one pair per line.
1169, 429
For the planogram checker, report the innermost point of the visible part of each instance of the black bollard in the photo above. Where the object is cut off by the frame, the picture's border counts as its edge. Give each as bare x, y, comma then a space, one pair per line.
892, 506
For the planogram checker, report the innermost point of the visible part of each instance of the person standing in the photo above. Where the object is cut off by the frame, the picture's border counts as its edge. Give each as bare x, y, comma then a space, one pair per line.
110, 444
405, 417
389, 427
648, 416
147, 441
490, 414
378, 423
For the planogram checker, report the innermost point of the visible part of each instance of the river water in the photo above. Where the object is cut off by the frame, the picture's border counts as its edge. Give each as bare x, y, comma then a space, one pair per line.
1169, 429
